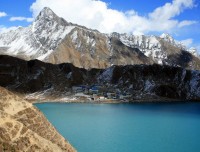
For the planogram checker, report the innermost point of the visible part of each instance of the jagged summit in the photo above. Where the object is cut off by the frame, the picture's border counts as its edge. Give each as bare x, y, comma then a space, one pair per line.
167, 37
52, 39
37, 40
47, 13
48, 16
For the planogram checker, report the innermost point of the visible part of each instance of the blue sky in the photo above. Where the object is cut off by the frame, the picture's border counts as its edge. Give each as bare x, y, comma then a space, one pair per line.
144, 7
180, 18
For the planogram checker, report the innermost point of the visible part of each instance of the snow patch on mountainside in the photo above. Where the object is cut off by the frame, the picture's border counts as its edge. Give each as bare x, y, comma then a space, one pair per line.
178, 44
149, 45
39, 39
74, 36
82, 40
43, 36
19, 41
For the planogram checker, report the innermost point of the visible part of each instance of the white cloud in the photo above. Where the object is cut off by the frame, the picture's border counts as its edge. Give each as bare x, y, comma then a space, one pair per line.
4, 29
170, 10
2, 14
186, 23
97, 15
19, 18
187, 42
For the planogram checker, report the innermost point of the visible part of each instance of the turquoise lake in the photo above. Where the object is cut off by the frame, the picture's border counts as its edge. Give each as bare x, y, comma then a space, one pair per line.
146, 127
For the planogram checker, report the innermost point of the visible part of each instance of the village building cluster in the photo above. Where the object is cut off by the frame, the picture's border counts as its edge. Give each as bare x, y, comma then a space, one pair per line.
101, 93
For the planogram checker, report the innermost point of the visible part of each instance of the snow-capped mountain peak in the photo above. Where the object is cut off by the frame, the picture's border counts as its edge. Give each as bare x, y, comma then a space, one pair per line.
46, 13
167, 37
37, 40
52, 39
179, 44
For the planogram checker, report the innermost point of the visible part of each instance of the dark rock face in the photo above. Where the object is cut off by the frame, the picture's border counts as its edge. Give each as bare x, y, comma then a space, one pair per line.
35, 75
154, 81
183, 59
143, 82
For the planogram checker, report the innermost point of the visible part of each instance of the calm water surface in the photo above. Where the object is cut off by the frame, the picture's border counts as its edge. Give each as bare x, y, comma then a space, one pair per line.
160, 127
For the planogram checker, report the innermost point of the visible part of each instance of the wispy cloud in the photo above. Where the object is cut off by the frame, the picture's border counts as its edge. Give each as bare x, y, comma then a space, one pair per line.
19, 18
186, 23
98, 15
3, 14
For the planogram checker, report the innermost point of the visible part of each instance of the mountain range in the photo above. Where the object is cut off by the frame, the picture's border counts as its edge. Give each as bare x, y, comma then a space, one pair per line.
44, 61
52, 39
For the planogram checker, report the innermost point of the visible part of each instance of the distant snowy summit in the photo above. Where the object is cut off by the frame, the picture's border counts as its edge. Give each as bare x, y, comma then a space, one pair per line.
52, 39
171, 40
193, 51
168, 38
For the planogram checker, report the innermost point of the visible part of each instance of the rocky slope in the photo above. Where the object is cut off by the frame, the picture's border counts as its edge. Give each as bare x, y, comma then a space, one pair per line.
143, 82
24, 128
154, 82
52, 39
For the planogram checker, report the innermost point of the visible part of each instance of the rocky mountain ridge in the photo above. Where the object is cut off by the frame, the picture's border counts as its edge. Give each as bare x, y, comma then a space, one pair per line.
52, 39
143, 82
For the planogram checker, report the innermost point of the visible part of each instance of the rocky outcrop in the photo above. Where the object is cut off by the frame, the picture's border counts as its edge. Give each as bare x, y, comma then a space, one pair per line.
153, 82
24, 128
32, 76
143, 82
91, 49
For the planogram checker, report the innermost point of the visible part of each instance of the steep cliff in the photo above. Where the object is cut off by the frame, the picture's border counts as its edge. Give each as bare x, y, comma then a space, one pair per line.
145, 82
153, 82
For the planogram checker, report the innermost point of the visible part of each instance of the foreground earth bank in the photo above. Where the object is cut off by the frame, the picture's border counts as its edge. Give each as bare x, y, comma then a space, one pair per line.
24, 128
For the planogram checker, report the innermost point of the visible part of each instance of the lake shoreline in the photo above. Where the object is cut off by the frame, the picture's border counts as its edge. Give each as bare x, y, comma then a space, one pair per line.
83, 98
115, 101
